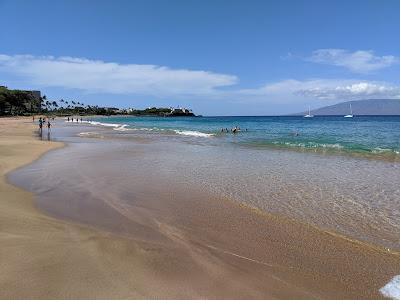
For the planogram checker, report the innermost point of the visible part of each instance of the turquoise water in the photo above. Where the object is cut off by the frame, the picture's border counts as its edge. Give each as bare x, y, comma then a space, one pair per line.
374, 136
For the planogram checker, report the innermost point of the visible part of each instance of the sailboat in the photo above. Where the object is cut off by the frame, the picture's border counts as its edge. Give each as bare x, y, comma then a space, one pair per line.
351, 113
309, 115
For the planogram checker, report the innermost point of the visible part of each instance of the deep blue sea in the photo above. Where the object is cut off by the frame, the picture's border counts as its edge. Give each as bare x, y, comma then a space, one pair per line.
372, 136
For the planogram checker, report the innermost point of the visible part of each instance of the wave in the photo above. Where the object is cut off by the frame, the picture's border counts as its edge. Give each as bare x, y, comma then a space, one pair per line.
356, 150
310, 145
123, 127
118, 127
193, 133
379, 150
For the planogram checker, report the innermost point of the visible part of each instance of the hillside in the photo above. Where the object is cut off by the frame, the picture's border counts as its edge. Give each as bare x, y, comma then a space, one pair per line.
17, 102
360, 107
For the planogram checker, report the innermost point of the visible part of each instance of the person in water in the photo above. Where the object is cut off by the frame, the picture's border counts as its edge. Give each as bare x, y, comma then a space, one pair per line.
48, 129
40, 125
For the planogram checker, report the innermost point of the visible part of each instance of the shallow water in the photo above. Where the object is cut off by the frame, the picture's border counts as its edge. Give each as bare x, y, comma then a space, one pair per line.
359, 198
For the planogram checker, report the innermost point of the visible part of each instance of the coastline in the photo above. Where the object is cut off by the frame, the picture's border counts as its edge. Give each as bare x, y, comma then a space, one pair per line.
46, 258
210, 248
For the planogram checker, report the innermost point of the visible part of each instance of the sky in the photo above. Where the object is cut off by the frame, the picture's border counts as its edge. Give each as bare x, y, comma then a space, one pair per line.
216, 57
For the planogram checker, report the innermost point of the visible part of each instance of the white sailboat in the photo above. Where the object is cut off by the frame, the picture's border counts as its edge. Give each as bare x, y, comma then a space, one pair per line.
351, 113
309, 115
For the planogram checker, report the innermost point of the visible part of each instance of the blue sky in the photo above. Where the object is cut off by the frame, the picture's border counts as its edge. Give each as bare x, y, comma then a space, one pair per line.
217, 57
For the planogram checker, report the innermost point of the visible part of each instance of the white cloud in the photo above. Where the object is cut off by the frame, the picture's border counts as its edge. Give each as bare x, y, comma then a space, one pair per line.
325, 89
108, 77
358, 61
352, 91
133, 79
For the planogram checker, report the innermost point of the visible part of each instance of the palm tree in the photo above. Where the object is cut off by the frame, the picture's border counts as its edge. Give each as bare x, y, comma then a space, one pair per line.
54, 104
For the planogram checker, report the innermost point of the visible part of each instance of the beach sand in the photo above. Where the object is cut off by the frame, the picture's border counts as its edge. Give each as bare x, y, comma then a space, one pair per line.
178, 247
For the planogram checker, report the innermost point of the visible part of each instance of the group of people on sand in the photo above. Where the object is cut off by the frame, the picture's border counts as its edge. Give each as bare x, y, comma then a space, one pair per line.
72, 119
235, 129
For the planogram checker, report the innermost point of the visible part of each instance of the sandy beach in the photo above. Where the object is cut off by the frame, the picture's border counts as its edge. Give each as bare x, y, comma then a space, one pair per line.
177, 244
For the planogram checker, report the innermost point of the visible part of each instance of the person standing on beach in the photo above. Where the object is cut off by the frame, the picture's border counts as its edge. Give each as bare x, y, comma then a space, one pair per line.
33, 119
40, 125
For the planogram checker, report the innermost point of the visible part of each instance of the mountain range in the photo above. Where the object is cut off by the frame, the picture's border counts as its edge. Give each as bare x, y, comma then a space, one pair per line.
367, 107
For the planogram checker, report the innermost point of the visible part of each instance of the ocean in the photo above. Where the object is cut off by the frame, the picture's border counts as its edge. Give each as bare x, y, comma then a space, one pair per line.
369, 136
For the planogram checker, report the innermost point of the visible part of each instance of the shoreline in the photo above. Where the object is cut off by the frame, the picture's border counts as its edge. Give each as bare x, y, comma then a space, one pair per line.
47, 258
257, 256
380, 155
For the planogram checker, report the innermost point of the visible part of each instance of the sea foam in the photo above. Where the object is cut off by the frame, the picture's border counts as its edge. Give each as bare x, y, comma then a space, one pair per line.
193, 133
122, 128
392, 289
118, 127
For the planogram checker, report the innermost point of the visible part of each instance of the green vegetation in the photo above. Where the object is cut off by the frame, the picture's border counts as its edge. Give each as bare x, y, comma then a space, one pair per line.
162, 111
151, 111
17, 102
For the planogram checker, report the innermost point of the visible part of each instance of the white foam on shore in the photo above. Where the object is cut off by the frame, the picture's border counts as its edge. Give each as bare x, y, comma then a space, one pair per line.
392, 289
118, 127
90, 134
122, 128
193, 133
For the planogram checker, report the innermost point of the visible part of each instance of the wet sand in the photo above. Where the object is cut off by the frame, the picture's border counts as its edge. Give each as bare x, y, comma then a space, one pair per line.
157, 240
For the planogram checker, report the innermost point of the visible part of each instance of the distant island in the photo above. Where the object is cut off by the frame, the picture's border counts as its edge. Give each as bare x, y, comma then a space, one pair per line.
369, 107
154, 111
22, 102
